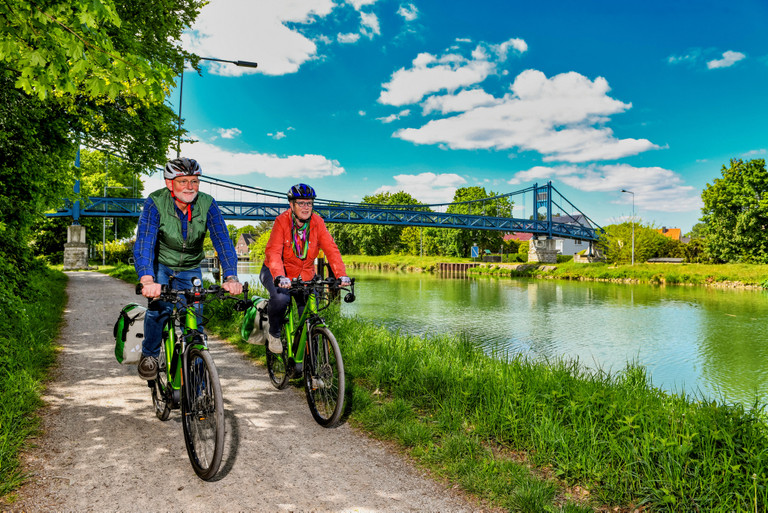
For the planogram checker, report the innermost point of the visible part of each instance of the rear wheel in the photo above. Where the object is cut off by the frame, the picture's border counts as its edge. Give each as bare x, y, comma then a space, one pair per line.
324, 377
203, 414
161, 392
277, 365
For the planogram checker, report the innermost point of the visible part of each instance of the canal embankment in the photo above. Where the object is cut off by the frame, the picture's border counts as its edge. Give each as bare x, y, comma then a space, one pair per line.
751, 276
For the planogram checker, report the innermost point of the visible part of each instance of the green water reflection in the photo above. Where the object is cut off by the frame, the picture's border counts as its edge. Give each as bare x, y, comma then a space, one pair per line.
703, 341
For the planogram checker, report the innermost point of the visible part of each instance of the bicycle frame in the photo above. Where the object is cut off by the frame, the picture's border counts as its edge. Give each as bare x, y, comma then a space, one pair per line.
177, 348
309, 318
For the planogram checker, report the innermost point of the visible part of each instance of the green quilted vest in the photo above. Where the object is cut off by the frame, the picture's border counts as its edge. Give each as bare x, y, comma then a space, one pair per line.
173, 250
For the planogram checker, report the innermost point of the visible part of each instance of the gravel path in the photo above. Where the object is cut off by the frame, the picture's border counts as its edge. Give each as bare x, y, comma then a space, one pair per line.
103, 449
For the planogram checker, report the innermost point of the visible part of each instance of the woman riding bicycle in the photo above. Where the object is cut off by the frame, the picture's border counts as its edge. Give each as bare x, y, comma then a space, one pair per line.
297, 237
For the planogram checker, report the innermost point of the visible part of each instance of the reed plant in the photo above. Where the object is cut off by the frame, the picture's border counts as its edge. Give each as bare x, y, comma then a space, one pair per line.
29, 327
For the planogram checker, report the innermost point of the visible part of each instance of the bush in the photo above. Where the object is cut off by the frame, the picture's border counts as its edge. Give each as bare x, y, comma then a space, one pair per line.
117, 252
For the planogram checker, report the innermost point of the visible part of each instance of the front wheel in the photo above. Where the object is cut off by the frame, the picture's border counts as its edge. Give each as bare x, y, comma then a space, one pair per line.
203, 413
324, 377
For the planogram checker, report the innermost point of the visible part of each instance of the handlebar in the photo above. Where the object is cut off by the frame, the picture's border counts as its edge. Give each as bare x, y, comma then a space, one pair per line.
197, 294
317, 283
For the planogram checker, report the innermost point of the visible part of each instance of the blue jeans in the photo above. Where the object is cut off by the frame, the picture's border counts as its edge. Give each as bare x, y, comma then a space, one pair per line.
158, 312
279, 299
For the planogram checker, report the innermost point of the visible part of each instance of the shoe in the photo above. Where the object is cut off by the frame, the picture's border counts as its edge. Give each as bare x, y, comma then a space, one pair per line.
147, 367
274, 344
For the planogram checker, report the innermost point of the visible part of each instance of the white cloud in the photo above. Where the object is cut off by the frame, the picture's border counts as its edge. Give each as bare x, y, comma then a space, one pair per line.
395, 117
370, 25
430, 74
729, 59
560, 117
409, 12
229, 133
257, 32
655, 188
277, 135
358, 4
426, 187
220, 162
762, 152
459, 102
348, 38
691, 57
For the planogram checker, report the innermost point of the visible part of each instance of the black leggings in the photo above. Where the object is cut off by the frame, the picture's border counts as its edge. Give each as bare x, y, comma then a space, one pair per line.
279, 299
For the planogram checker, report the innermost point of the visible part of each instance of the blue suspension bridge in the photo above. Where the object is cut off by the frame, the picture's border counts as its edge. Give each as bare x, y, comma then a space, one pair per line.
551, 214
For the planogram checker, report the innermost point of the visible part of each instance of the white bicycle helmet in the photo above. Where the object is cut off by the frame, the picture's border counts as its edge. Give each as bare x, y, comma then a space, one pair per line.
182, 167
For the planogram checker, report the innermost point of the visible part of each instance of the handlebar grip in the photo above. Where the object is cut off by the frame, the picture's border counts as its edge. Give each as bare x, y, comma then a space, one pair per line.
139, 287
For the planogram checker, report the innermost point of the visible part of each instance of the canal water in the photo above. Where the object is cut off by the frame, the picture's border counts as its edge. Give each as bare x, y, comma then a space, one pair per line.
707, 342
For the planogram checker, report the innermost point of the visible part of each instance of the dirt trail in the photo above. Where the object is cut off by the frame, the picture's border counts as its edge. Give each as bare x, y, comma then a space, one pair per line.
103, 449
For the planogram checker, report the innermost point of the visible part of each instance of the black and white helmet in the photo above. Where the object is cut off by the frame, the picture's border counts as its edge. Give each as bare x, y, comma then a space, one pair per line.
182, 167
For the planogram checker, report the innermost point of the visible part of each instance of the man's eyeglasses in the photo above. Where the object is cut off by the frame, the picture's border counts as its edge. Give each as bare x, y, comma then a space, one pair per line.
304, 204
184, 183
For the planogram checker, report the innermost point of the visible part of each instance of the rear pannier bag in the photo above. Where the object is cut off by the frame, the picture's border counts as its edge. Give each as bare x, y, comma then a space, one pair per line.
255, 322
129, 333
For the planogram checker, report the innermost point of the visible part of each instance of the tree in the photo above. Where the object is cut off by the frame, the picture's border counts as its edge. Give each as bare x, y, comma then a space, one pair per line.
617, 243
94, 71
372, 239
735, 213
474, 201
94, 49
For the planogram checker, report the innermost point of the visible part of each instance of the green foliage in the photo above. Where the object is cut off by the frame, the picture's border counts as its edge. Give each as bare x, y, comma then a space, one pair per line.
735, 213
474, 201
27, 349
118, 251
258, 249
649, 243
523, 247
96, 49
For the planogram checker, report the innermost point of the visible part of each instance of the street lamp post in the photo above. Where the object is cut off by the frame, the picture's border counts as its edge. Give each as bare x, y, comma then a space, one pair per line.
633, 223
242, 64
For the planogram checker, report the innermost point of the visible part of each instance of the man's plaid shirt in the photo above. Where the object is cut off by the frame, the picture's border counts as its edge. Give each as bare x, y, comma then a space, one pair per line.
144, 251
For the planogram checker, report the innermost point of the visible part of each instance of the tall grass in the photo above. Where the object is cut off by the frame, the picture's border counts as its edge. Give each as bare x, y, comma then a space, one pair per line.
625, 441
28, 330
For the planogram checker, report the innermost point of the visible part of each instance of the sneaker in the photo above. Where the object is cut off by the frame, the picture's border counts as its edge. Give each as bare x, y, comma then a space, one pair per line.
274, 344
147, 367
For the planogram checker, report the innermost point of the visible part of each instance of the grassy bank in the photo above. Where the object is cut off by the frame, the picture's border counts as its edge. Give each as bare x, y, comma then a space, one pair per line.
29, 327
724, 275
397, 262
749, 275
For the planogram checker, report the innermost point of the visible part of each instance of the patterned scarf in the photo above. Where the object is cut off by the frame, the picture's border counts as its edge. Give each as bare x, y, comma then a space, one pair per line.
300, 238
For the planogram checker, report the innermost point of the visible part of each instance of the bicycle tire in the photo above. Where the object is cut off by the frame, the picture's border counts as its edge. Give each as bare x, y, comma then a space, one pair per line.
324, 377
161, 392
277, 365
203, 414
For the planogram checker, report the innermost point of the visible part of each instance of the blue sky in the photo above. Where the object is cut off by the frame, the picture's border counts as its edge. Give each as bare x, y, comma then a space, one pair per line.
358, 97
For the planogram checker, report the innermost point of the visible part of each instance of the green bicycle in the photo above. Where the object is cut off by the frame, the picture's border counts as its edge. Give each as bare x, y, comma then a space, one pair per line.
187, 377
313, 352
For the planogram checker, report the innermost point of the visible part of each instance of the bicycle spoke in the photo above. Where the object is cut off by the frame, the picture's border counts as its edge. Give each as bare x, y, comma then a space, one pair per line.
324, 378
203, 417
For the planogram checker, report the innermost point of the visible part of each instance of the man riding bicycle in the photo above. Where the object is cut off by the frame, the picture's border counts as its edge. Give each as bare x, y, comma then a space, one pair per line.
169, 243
297, 237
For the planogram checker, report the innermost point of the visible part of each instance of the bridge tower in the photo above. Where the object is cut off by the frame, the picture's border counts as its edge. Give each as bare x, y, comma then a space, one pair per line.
543, 248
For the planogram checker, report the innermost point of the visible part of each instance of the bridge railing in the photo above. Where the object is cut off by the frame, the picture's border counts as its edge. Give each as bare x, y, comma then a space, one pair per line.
355, 214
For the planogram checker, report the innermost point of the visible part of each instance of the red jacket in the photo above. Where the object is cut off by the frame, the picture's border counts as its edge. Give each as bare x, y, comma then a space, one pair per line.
281, 260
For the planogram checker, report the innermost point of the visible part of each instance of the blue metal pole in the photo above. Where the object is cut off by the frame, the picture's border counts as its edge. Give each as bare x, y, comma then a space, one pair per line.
76, 208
